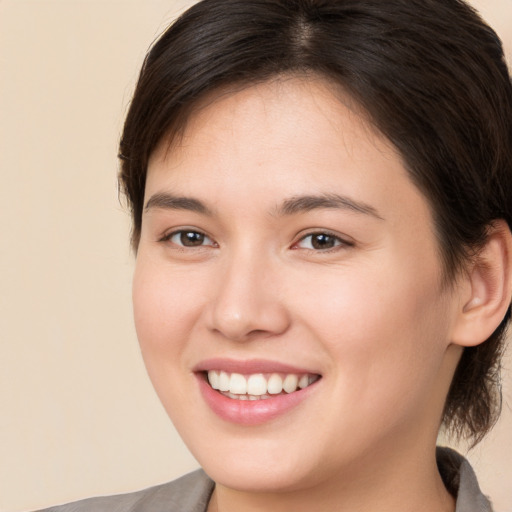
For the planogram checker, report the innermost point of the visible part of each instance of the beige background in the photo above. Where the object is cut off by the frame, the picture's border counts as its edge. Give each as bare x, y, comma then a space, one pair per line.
78, 416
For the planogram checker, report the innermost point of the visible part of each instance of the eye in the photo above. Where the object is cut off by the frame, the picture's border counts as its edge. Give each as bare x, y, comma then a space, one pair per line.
188, 238
321, 241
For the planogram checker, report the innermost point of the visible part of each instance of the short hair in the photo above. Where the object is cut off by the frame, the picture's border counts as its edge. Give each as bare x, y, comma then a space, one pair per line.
430, 75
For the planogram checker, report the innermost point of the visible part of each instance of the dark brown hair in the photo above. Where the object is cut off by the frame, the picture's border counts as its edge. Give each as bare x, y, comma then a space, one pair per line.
432, 78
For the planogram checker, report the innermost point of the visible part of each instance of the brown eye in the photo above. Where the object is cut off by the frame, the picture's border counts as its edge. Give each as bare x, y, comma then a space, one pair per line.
191, 238
320, 241
187, 238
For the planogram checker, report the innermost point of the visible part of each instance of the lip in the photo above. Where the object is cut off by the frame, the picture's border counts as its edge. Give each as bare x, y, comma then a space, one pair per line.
250, 412
249, 367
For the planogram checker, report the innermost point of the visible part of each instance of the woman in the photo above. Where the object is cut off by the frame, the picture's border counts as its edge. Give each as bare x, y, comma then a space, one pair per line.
322, 199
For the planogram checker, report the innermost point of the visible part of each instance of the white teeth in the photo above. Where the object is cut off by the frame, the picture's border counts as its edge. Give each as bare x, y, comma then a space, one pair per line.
213, 378
303, 382
257, 386
223, 381
290, 383
275, 384
238, 384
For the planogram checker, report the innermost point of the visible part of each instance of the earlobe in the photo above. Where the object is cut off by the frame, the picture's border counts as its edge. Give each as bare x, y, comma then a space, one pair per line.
488, 289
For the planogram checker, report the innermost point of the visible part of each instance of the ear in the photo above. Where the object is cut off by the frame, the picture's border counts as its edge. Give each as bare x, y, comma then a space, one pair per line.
486, 290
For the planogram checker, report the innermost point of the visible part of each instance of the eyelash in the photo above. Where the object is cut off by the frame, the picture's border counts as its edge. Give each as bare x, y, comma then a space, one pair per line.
169, 236
339, 242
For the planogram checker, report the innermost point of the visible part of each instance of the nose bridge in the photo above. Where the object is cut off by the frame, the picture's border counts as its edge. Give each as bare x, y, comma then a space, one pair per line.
247, 300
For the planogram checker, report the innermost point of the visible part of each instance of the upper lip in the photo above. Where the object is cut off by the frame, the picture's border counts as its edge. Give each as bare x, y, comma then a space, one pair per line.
248, 367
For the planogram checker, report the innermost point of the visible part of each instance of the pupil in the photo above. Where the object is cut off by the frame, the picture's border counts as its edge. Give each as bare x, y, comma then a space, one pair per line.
322, 241
190, 238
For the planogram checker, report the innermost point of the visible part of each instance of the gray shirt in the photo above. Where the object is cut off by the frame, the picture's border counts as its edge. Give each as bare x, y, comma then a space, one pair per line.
191, 493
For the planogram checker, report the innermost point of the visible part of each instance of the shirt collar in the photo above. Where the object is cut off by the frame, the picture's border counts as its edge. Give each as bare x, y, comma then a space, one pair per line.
460, 480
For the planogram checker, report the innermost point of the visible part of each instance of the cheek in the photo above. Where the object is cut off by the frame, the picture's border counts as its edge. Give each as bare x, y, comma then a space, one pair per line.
165, 305
386, 333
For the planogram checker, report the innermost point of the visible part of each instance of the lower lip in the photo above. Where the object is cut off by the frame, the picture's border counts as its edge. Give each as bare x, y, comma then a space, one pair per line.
251, 412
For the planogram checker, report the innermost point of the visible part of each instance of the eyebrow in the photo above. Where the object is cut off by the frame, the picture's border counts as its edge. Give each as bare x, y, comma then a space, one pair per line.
302, 204
166, 201
291, 206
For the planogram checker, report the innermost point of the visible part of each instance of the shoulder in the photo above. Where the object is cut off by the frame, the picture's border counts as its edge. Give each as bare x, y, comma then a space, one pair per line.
189, 493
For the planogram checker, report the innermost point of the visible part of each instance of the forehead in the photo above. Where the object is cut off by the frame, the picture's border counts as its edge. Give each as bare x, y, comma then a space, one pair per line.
266, 106
294, 131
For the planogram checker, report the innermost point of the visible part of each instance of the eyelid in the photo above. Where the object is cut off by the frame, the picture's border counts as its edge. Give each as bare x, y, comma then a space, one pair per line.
168, 235
341, 241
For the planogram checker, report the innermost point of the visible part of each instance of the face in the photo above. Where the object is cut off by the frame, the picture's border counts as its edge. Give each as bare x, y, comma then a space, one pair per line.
283, 245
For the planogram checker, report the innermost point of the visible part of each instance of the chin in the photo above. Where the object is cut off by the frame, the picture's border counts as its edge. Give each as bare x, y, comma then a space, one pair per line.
257, 464
251, 476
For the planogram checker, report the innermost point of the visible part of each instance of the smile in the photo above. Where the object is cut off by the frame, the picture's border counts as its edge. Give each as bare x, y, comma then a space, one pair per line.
256, 391
258, 386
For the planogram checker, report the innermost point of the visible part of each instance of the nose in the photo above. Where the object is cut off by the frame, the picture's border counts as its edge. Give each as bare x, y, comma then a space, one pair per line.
248, 302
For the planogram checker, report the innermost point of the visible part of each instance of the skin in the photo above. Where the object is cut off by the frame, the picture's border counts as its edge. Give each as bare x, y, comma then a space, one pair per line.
370, 314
